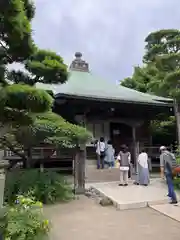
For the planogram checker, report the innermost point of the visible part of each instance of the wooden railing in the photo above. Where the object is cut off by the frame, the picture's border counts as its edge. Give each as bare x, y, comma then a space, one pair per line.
40, 153
48, 157
53, 153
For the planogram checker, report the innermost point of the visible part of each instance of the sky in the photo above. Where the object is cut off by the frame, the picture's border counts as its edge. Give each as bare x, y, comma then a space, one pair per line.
110, 34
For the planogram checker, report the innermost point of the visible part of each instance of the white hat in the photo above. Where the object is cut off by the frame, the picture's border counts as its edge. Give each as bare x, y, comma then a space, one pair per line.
162, 148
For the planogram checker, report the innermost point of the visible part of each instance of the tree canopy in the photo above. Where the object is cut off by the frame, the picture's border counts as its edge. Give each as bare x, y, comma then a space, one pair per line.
163, 49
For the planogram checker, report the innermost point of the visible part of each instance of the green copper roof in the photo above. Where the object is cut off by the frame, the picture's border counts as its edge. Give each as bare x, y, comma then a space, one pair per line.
85, 85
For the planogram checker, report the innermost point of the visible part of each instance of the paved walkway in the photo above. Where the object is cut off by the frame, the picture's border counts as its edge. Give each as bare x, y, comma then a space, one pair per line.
135, 197
84, 219
171, 211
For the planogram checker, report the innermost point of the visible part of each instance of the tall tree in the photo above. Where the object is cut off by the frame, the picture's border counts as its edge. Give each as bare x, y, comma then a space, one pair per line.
163, 49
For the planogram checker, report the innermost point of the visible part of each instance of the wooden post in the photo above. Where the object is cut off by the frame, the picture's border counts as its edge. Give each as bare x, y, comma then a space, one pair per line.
149, 159
134, 147
79, 170
2, 185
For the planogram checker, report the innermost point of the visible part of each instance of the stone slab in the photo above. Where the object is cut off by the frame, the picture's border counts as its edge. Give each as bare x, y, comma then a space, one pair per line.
172, 211
132, 196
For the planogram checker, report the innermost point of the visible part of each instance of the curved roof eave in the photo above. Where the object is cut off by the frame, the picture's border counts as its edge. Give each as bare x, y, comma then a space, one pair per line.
97, 98
84, 85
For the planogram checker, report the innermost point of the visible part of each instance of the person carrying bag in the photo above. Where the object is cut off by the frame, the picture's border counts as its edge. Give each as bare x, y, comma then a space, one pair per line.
124, 158
100, 151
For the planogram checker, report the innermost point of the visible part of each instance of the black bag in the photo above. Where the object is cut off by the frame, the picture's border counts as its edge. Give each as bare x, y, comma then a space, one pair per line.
102, 154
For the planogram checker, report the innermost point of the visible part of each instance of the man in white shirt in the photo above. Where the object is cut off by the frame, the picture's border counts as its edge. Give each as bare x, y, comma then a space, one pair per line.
100, 150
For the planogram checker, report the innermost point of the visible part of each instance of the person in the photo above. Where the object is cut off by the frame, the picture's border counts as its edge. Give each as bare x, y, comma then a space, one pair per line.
100, 151
124, 158
143, 169
166, 168
109, 154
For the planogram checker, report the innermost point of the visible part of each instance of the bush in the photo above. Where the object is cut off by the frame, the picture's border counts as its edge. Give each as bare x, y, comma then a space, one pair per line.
176, 182
24, 220
47, 186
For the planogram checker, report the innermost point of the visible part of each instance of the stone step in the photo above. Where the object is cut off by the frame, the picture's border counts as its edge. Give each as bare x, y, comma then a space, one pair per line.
133, 196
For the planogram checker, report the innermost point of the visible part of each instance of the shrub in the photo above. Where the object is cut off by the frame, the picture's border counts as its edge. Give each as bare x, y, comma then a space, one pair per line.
24, 220
176, 182
47, 186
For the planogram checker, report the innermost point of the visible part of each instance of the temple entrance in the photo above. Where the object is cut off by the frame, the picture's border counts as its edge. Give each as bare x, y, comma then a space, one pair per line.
120, 133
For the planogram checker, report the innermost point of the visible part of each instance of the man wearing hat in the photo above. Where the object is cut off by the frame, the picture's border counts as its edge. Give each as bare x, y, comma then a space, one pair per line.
166, 164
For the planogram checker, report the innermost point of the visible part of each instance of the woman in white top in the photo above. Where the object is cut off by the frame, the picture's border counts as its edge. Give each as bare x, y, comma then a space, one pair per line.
100, 151
143, 169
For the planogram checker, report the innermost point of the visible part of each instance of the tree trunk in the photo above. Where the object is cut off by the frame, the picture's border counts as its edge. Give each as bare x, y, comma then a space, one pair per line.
177, 115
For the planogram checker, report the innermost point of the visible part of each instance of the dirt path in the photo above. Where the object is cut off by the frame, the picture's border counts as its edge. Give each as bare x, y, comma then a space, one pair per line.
84, 219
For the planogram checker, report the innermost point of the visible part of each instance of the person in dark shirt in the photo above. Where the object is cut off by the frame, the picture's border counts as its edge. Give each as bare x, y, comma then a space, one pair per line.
166, 164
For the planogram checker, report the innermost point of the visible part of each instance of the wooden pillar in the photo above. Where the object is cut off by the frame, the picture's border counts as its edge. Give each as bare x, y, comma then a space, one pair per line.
149, 158
80, 163
134, 147
2, 186
79, 170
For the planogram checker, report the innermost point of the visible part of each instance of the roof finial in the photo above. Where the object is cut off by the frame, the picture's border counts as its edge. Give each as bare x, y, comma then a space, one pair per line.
78, 64
78, 54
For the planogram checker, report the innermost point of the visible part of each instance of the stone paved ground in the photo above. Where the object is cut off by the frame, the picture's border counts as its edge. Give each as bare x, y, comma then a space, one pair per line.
84, 219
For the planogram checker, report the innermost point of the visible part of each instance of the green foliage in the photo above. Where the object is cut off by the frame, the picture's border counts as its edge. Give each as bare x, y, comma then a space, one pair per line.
176, 182
145, 79
60, 132
47, 67
178, 159
24, 97
47, 186
52, 129
163, 49
165, 41
20, 77
164, 130
24, 220
15, 35
29, 8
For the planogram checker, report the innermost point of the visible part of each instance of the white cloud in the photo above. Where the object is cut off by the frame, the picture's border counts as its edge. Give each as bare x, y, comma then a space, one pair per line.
109, 33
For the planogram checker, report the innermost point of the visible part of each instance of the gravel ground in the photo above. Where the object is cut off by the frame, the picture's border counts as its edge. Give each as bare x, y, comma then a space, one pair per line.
84, 219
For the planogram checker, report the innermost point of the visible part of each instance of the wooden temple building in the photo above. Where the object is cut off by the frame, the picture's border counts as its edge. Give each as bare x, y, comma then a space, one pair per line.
107, 109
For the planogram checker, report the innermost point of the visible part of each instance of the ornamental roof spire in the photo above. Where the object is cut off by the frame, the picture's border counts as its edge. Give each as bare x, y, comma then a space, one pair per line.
78, 64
